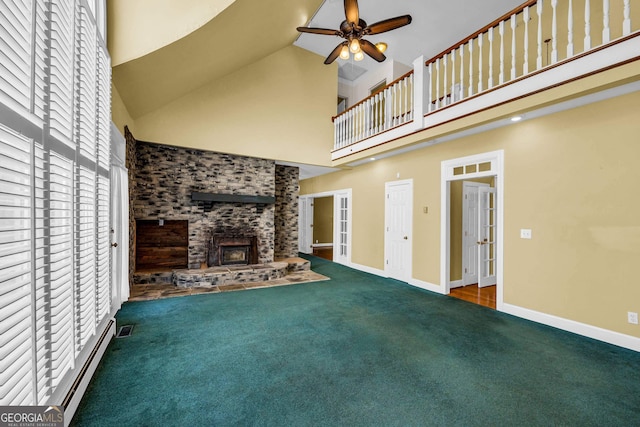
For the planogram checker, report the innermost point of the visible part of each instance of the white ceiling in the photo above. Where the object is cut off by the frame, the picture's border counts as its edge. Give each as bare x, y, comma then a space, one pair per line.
436, 25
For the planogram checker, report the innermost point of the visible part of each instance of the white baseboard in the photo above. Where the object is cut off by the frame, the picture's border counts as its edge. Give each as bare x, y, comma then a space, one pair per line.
426, 286
456, 284
74, 395
611, 337
367, 269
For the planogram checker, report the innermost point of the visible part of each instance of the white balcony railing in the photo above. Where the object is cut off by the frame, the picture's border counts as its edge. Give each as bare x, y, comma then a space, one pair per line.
533, 43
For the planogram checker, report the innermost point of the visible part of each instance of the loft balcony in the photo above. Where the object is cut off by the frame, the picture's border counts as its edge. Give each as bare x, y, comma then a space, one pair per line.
536, 47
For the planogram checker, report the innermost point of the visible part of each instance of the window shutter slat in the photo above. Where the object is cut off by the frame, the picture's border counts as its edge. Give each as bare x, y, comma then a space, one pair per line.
15, 276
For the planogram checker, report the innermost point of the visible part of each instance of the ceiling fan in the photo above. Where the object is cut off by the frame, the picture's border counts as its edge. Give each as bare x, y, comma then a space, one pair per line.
353, 29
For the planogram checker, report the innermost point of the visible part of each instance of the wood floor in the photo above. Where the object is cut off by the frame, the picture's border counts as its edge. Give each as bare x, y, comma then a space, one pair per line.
485, 296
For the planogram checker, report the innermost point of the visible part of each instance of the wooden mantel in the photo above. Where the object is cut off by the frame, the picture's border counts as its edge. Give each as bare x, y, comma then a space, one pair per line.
210, 198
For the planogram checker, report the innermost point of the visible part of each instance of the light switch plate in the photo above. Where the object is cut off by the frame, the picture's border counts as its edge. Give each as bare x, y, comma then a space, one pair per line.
525, 233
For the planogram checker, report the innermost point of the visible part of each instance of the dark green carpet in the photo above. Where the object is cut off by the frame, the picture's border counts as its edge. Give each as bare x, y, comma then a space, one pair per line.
355, 350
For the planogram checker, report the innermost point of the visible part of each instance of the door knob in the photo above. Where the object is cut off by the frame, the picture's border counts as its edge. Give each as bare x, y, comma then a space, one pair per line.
115, 245
405, 237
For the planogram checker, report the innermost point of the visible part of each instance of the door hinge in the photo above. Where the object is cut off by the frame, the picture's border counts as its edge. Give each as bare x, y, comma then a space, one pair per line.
387, 262
465, 270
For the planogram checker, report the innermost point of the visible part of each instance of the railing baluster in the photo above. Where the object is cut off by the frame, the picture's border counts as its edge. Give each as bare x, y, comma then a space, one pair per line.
471, 67
570, 30
388, 109
453, 76
606, 31
367, 118
587, 25
626, 24
480, 77
430, 88
554, 32
446, 79
461, 93
525, 65
490, 81
513, 46
501, 70
409, 113
437, 83
539, 57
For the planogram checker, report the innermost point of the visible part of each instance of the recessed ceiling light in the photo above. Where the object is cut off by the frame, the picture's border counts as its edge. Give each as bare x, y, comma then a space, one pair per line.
516, 118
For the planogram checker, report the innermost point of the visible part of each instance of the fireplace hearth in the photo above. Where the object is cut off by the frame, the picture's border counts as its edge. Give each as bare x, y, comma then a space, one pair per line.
232, 249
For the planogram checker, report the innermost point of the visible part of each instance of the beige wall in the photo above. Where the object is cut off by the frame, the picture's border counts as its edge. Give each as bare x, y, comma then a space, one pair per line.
323, 220
581, 208
119, 113
138, 27
277, 108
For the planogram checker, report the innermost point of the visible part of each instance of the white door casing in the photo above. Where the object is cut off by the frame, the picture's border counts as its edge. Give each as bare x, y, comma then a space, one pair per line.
398, 229
342, 227
305, 224
489, 164
487, 236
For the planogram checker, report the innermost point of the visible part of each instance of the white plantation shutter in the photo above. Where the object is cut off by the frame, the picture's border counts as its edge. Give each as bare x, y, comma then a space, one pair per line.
86, 257
15, 50
61, 266
39, 52
55, 288
62, 70
41, 283
103, 248
16, 213
86, 88
103, 112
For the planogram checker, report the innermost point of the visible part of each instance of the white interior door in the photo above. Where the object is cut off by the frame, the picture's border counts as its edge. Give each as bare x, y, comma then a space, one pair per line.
305, 225
470, 231
398, 229
487, 236
342, 228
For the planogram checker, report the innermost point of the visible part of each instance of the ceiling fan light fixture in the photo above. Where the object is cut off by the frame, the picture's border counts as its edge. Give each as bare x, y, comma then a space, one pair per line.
381, 46
354, 46
344, 53
358, 56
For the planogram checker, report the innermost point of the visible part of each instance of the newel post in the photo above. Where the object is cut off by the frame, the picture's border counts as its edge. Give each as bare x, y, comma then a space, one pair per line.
419, 94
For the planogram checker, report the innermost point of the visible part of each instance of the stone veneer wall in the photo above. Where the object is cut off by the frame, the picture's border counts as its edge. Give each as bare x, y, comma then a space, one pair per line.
166, 176
130, 164
286, 225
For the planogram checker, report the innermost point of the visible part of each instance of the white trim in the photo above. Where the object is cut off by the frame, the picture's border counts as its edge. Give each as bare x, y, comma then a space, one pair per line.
367, 269
446, 176
456, 284
611, 337
347, 192
322, 245
425, 285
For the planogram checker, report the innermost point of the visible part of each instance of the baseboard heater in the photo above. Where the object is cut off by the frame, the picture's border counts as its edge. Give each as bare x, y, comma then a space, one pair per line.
79, 386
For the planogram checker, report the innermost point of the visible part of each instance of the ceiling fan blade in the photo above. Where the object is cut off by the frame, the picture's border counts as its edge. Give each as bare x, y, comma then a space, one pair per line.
371, 50
351, 11
335, 53
323, 31
388, 24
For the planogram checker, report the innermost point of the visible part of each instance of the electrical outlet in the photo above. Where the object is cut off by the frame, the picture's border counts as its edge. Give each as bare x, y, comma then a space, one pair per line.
632, 317
525, 233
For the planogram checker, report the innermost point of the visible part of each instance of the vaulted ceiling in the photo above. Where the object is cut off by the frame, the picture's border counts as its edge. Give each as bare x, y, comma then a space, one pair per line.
244, 31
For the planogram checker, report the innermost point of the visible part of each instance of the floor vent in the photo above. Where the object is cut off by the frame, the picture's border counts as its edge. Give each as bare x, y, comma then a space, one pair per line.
124, 331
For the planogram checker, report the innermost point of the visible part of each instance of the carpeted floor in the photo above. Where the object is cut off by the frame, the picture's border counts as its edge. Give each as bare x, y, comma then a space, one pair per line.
357, 350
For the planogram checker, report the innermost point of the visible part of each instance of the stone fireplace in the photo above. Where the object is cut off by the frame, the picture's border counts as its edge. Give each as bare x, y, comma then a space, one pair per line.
253, 202
232, 249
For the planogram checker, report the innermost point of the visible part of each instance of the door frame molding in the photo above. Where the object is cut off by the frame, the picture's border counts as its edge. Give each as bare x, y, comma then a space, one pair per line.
349, 194
388, 184
459, 169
